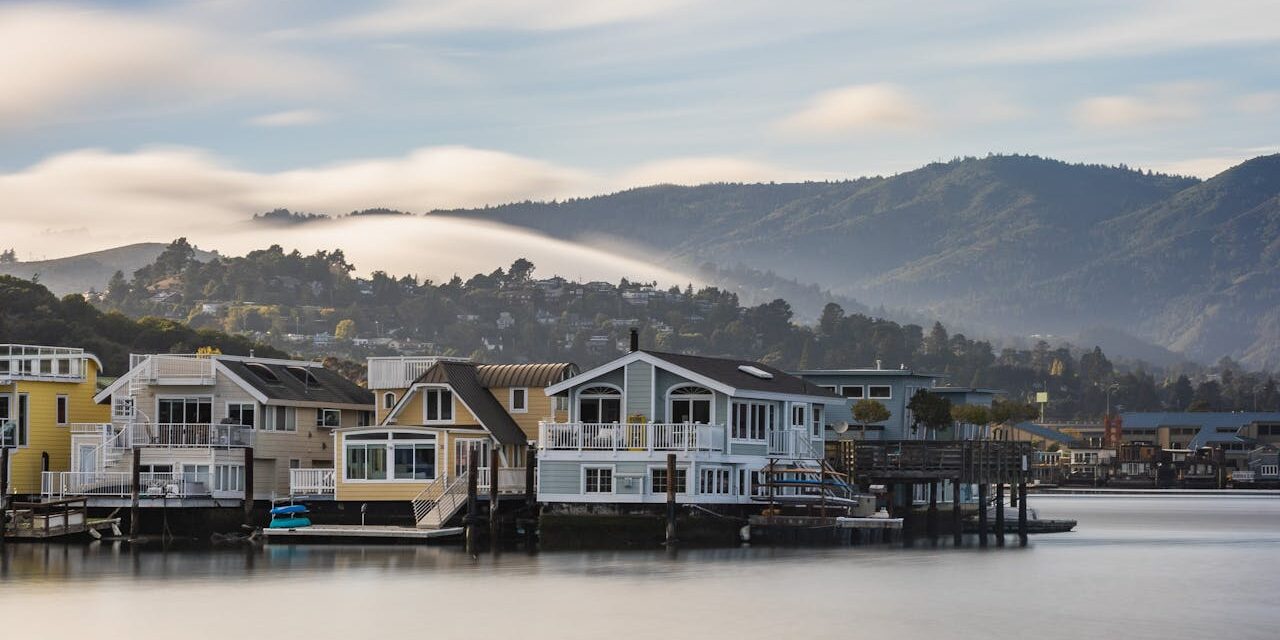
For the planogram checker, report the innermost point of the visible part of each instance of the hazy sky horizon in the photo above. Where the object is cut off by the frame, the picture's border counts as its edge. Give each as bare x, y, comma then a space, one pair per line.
143, 112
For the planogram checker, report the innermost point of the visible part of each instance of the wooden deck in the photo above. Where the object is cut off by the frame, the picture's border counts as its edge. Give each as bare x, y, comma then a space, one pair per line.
354, 532
55, 519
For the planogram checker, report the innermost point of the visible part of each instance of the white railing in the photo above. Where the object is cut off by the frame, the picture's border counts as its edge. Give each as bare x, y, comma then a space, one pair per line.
117, 484
510, 479
792, 443
439, 501
173, 368
588, 436
32, 362
398, 372
311, 482
173, 434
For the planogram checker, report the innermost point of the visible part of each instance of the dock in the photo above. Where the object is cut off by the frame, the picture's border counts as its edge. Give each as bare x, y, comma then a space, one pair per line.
804, 530
355, 532
56, 519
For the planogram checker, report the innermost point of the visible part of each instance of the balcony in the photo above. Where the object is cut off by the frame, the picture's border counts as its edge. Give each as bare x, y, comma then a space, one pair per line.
44, 364
182, 435
116, 484
398, 372
580, 436
174, 369
311, 482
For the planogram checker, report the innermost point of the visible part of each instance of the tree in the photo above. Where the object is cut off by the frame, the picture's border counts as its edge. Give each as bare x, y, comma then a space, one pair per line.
970, 414
520, 271
346, 329
1208, 397
1182, 394
1010, 412
867, 412
8, 256
937, 342
117, 289
929, 410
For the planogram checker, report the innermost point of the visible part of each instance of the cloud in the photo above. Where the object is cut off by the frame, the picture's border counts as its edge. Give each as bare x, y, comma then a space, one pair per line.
866, 107
1156, 106
294, 118
68, 62
1210, 166
408, 16
1262, 102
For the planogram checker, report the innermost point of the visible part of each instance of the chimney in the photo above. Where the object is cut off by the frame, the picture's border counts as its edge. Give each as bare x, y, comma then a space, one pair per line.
878, 367
635, 339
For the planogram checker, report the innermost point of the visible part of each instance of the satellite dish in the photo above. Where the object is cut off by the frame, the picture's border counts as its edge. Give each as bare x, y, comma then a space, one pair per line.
842, 427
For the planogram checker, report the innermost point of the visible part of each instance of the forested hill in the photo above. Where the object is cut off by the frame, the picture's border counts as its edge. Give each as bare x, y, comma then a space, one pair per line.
1015, 244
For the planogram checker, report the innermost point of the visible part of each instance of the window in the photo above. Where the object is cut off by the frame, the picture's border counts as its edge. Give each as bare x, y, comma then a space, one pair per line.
658, 480
690, 404
62, 410
414, 460
295, 463
714, 481
600, 405
263, 372
798, 415
857, 391
303, 375
242, 413
328, 418
829, 387
366, 460
818, 424
597, 480
190, 410
13, 428
880, 392
519, 400
753, 420
437, 405
388, 400
280, 419
462, 455
228, 477
1269, 469
364, 418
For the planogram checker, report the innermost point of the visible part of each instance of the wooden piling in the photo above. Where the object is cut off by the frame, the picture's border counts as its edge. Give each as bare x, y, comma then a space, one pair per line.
957, 527
473, 481
531, 480
135, 512
248, 485
1022, 512
671, 499
982, 514
493, 495
4, 490
1000, 513
931, 521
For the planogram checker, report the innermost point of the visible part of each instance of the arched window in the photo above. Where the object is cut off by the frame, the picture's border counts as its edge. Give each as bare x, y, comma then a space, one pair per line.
600, 404
388, 400
690, 403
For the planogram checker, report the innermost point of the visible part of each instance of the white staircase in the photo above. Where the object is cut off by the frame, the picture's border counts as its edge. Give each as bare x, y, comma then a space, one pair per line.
439, 501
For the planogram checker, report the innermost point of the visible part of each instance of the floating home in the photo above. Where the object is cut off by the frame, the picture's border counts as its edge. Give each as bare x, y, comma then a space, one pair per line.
434, 414
725, 420
208, 431
46, 394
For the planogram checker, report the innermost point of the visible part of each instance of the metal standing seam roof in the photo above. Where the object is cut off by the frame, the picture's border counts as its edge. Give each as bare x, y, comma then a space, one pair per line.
727, 371
464, 379
524, 375
1048, 433
329, 385
1207, 422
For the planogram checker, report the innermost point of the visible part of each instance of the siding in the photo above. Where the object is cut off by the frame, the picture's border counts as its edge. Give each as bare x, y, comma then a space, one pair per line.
639, 391
44, 435
540, 408
748, 449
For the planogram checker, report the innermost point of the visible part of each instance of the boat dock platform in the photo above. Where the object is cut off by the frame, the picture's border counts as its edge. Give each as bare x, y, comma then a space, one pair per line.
55, 519
322, 533
804, 530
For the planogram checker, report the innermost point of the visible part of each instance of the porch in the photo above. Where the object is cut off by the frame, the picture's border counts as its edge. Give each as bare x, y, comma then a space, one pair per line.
640, 437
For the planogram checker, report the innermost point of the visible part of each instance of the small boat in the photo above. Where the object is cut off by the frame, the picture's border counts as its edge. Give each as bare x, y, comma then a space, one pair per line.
292, 516
1034, 523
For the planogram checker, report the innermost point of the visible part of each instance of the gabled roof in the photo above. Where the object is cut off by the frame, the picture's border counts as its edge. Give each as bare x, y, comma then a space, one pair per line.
323, 386
726, 375
464, 380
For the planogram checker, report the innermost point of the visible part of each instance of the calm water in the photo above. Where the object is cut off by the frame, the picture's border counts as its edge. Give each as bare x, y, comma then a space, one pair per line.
1137, 567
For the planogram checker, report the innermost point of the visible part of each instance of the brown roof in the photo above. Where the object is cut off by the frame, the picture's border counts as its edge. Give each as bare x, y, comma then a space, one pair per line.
524, 375
472, 383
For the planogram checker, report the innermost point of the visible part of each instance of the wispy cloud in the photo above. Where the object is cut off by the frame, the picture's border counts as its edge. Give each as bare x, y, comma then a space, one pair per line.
293, 118
1155, 106
864, 107
65, 61
702, 170
1262, 102
407, 16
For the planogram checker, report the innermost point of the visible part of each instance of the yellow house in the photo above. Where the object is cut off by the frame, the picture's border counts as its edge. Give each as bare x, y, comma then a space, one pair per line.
419, 451
44, 393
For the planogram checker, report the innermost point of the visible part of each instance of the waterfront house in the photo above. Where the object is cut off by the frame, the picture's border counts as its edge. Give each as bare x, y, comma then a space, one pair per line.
1264, 462
1088, 465
203, 424
46, 393
1234, 433
893, 388
433, 413
724, 420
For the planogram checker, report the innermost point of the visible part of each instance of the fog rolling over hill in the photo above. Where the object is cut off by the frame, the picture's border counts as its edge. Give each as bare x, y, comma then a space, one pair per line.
1016, 244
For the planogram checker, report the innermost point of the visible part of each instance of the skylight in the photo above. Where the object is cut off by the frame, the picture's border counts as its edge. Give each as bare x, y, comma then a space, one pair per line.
755, 371
263, 371
304, 376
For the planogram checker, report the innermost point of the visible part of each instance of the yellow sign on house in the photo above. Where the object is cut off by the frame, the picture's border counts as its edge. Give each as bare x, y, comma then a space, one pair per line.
1042, 397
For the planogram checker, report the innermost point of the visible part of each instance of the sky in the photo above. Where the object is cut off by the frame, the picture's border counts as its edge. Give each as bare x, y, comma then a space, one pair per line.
125, 121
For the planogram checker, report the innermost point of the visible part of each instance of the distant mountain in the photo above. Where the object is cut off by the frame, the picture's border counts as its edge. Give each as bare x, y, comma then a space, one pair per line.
1009, 244
80, 273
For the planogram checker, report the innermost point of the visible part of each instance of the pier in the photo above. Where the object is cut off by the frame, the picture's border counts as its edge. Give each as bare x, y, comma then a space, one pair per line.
356, 533
56, 519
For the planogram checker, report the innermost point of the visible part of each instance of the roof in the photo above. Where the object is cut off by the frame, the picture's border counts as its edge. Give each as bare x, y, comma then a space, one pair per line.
324, 386
524, 375
1208, 422
728, 371
993, 392
867, 372
1048, 433
464, 379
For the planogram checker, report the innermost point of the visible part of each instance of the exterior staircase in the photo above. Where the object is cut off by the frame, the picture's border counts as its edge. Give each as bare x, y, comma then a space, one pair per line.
439, 501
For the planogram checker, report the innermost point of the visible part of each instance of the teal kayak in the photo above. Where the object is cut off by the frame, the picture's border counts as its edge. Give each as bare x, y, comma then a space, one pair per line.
289, 523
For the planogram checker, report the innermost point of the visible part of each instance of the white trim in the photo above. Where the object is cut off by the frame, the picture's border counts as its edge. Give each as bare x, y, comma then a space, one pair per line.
183, 396
382, 400
711, 397
342, 455
241, 382
64, 400
226, 411
453, 418
511, 399
687, 468
884, 386
613, 480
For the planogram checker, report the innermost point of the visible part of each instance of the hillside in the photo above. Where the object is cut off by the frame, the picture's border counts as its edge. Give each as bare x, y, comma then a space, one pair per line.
1015, 244
80, 273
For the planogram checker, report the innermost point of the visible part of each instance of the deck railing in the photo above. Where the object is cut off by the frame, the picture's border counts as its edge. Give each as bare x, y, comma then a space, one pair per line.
181, 435
177, 484
590, 436
174, 368
398, 372
311, 482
